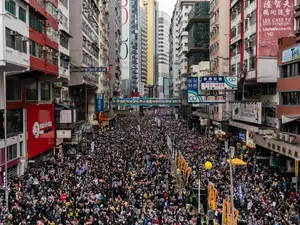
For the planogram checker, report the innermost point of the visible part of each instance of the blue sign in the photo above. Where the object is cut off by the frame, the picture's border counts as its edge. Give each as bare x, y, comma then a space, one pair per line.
146, 102
81, 69
166, 86
99, 103
240, 194
242, 136
219, 83
192, 85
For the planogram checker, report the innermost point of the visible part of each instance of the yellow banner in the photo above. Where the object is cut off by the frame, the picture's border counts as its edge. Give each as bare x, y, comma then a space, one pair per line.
236, 216
224, 214
212, 197
228, 211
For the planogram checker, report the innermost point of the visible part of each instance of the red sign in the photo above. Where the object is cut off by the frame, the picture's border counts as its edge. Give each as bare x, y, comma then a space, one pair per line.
40, 127
276, 20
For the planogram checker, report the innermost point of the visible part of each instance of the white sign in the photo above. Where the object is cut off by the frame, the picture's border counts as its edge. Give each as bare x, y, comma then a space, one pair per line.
63, 134
38, 128
66, 116
291, 54
247, 111
226, 146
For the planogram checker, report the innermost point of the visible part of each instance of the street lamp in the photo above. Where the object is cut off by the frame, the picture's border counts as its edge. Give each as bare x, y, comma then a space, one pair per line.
5, 128
235, 162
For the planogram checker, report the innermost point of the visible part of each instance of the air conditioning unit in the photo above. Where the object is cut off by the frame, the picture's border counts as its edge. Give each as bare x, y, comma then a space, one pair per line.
25, 39
49, 50
290, 166
286, 137
14, 33
276, 136
281, 136
45, 48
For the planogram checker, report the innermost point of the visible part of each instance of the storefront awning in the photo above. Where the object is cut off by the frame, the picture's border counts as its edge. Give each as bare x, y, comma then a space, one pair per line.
289, 118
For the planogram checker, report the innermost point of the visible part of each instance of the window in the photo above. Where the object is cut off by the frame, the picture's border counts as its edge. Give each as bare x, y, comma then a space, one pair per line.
64, 41
52, 57
36, 22
31, 89
252, 63
64, 3
45, 91
10, 6
14, 122
22, 14
36, 49
12, 152
15, 40
63, 20
253, 18
52, 33
13, 94
51, 9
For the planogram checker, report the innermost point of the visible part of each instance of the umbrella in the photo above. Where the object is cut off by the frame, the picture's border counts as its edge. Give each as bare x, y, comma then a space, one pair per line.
237, 162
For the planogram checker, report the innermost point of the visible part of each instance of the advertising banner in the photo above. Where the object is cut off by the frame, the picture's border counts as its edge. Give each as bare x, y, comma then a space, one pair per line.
41, 129
242, 136
247, 111
206, 99
218, 83
275, 20
291, 54
212, 197
125, 38
63, 134
99, 103
192, 85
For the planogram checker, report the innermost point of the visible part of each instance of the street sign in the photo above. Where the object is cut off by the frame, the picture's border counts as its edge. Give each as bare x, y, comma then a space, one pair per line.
81, 69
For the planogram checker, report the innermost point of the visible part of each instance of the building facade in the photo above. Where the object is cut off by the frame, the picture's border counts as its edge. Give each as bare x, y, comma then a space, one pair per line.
84, 51
152, 63
164, 22
143, 51
253, 58
173, 60
219, 54
114, 44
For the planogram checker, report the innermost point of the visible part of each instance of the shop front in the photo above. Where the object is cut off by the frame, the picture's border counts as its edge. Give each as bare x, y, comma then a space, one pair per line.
41, 131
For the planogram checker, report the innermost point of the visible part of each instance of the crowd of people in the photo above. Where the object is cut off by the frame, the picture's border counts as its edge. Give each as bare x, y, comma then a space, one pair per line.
124, 176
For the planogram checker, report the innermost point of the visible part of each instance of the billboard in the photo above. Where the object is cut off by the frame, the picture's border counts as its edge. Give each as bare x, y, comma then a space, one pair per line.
41, 129
125, 39
206, 99
247, 111
291, 54
275, 20
218, 83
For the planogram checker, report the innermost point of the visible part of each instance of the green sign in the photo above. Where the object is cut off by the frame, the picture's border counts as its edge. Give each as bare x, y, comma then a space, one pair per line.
146, 102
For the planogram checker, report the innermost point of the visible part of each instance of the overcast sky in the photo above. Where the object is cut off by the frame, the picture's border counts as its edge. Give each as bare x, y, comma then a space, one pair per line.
167, 6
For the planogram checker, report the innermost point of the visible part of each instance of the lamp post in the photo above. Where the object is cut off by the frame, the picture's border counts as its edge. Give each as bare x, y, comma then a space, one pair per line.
5, 129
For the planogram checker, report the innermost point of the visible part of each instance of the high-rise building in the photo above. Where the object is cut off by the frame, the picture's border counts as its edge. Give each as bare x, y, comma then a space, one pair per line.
152, 63
219, 55
104, 84
114, 47
164, 22
253, 58
84, 51
183, 7
173, 58
142, 51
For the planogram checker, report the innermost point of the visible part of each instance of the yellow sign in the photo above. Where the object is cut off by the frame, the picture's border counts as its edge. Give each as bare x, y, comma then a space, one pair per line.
296, 168
228, 211
226, 217
236, 216
224, 214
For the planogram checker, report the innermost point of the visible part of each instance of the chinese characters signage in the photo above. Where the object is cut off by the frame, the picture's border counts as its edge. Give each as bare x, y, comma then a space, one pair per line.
82, 69
218, 83
192, 84
206, 99
247, 111
276, 19
146, 102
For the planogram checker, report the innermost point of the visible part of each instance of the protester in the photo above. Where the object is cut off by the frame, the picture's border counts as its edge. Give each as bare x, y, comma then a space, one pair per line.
123, 176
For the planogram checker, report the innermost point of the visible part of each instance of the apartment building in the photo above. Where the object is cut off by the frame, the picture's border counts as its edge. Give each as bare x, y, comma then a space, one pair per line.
173, 60
164, 22
84, 51
114, 47
253, 58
